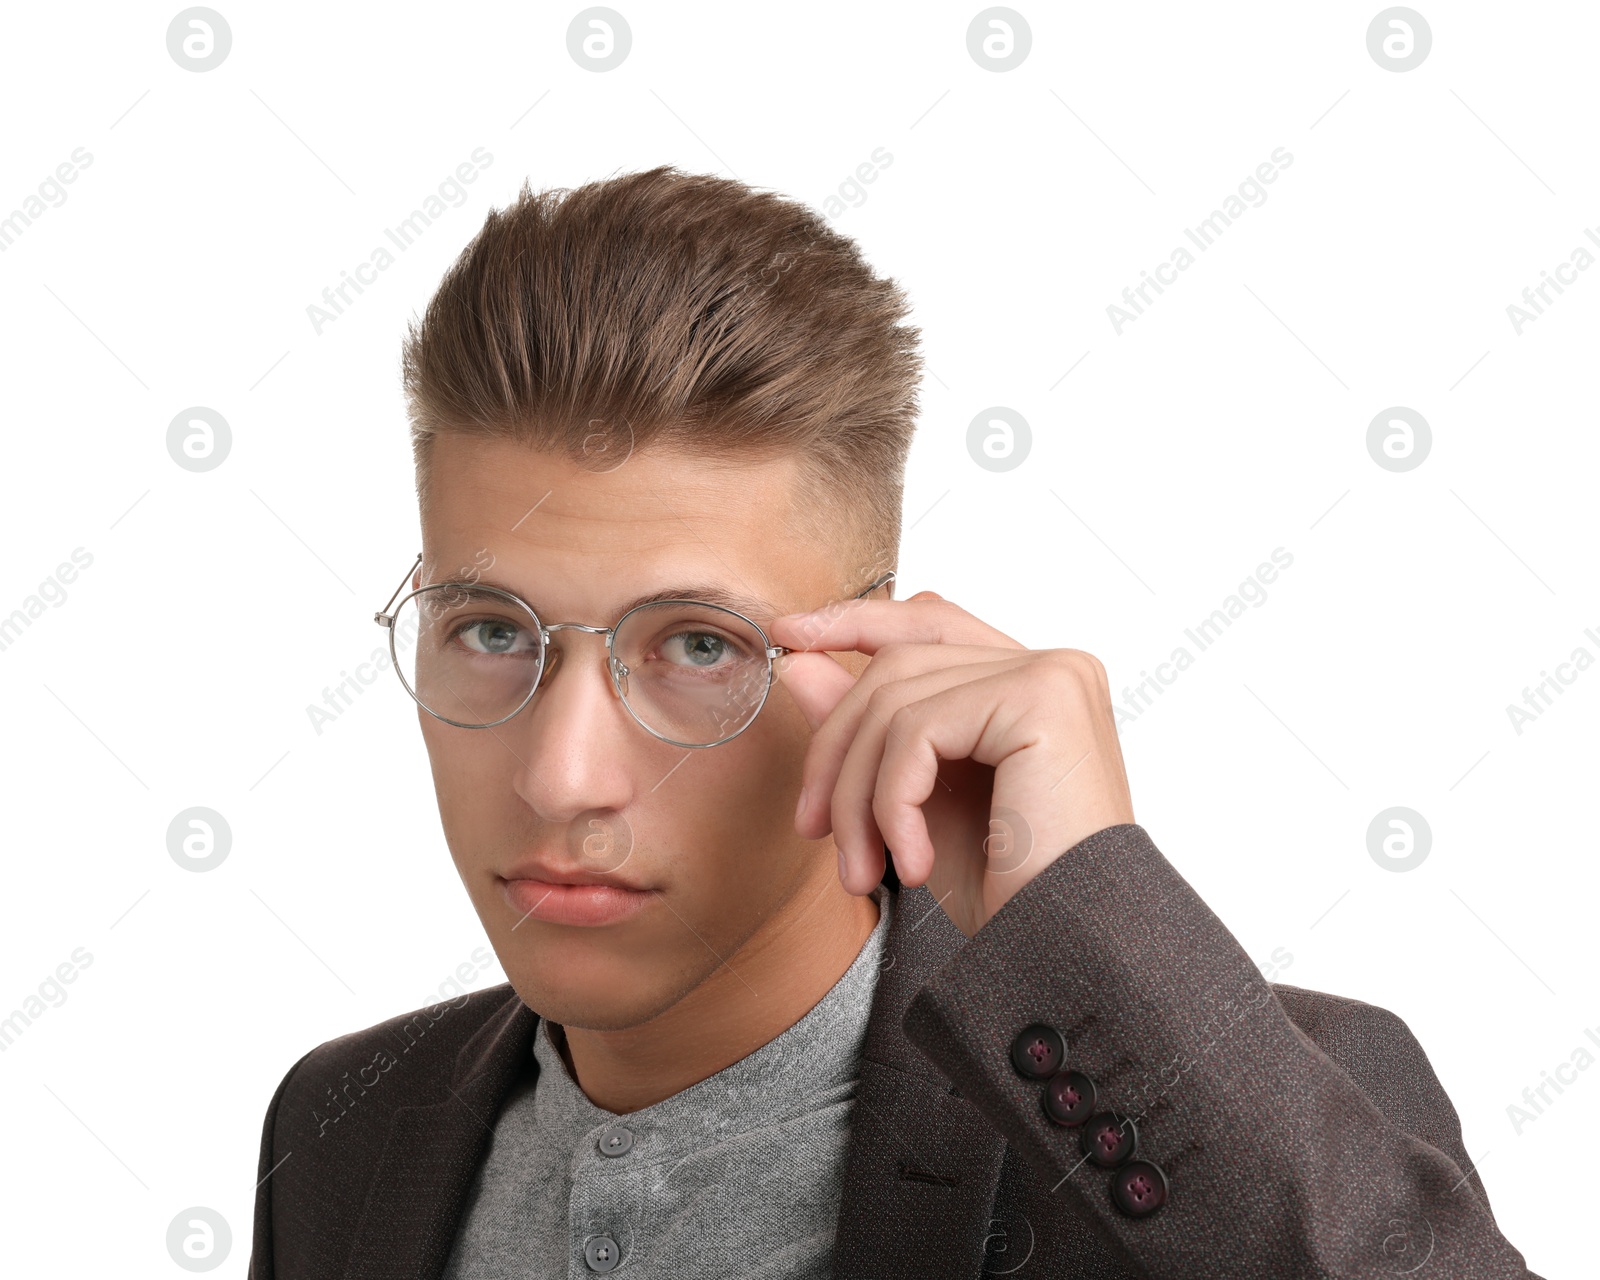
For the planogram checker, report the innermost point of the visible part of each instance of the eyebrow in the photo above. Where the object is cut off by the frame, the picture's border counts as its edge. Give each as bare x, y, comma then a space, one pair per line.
702, 593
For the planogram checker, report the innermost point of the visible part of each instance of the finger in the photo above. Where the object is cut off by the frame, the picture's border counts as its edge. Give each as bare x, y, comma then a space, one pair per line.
996, 721
831, 743
866, 626
974, 720
857, 792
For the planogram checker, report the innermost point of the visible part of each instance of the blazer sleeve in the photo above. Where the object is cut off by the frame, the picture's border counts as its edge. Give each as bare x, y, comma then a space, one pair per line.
1193, 1118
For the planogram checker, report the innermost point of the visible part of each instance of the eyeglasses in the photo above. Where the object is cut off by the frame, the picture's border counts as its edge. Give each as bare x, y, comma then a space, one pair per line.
691, 673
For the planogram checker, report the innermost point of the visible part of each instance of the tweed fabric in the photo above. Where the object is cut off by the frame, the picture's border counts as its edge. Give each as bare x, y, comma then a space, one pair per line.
1305, 1135
1280, 1164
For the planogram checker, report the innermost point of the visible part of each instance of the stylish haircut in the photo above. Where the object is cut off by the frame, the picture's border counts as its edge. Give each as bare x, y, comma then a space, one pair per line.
688, 313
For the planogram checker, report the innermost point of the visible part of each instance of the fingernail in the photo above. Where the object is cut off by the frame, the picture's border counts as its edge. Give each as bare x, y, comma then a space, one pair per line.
800, 809
841, 866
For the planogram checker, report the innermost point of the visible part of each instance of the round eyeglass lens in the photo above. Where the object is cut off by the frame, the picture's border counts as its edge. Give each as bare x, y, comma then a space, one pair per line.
692, 674
470, 655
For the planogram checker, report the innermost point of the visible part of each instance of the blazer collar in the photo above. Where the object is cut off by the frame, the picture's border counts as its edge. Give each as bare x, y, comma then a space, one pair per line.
920, 1169
432, 1153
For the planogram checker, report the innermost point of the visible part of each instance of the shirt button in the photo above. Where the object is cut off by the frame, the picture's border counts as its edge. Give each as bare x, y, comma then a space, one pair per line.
601, 1253
616, 1141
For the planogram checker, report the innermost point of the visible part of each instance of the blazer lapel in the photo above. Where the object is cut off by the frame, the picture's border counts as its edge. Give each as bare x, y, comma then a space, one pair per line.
920, 1169
432, 1154
922, 1163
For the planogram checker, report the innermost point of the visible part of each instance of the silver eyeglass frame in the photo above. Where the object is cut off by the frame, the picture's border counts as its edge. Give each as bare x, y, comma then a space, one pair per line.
385, 617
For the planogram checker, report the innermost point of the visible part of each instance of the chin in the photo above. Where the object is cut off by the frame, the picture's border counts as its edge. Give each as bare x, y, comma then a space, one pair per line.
592, 987
598, 1007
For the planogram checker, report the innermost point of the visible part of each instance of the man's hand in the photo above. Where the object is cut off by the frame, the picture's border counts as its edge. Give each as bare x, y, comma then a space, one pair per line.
978, 761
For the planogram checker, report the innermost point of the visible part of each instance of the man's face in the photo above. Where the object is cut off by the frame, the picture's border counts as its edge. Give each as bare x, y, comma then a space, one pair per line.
573, 780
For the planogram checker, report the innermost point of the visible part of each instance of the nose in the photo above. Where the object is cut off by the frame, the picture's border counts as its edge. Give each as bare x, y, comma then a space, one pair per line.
573, 736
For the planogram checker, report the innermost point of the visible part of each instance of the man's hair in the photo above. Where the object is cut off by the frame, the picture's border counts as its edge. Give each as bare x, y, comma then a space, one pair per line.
687, 312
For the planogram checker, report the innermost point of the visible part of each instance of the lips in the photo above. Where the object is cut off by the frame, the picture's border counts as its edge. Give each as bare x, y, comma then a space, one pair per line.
596, 901
553, 874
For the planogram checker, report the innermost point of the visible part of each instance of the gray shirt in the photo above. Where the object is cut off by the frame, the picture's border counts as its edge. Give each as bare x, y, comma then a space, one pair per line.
737, 1175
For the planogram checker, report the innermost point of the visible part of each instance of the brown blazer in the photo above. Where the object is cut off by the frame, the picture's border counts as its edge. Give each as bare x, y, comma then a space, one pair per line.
1297, 1134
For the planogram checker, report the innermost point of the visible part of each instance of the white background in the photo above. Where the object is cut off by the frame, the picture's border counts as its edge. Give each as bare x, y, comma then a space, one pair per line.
1227, 420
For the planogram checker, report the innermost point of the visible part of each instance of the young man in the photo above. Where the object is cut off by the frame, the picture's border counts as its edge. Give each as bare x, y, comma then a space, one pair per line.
833, 945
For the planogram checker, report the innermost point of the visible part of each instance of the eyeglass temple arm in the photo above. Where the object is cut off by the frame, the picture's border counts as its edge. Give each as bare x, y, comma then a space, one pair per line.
383, 617
778, 650
867, 591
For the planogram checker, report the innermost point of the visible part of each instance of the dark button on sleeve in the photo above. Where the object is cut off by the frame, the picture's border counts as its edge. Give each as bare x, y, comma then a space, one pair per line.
1139, 1188
1069, 1098
1038, 1052
1109, 1139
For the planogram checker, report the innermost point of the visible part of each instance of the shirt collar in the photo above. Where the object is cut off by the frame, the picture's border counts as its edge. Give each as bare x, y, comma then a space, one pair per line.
810, 1061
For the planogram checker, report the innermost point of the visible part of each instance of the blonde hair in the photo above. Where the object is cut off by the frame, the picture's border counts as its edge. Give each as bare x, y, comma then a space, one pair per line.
686, 311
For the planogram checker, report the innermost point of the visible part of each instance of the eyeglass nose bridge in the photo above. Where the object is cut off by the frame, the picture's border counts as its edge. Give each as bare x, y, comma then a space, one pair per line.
618, 668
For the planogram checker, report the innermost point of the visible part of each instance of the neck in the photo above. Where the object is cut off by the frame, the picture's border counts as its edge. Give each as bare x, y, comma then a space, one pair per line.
768, 985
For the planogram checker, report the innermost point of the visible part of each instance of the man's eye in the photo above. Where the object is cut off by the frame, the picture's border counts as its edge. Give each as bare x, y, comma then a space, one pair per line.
697, 649
491, 636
